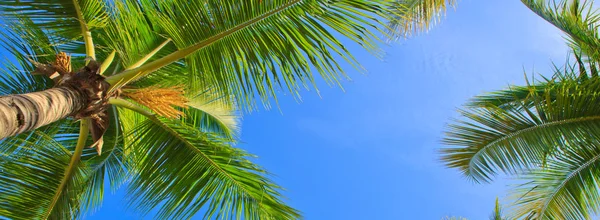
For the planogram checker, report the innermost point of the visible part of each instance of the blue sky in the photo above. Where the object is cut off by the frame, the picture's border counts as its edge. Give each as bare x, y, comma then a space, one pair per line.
369, 152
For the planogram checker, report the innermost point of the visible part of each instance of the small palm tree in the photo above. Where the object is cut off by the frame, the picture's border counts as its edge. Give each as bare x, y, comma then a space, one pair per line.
158, 85
497, 214
547, 132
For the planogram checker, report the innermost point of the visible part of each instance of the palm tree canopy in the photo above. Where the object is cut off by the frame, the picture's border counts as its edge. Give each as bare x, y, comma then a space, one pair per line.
224, 55
546, 132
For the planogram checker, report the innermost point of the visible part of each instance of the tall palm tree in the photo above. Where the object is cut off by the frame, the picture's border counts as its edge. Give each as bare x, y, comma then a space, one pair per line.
547, 132
158, 85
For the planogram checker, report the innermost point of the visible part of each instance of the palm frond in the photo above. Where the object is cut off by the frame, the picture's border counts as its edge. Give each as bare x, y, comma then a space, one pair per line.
15, 81
26, 42
577, 18
59, 17
131, 34
517, 137
507, 97
232, 46
182, 170
214, 113
573, 72
28, 185
567, 188
414, 16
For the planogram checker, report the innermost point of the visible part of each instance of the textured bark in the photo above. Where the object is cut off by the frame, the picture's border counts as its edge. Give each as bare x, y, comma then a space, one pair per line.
26, 112
81, 94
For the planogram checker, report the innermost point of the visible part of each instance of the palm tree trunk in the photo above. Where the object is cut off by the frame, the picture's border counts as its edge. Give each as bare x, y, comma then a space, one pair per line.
25, 112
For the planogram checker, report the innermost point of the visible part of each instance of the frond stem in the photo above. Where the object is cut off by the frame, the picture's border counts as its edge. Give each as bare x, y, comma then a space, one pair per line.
131, 106
85, 32
149, 55
106, 63
75, 159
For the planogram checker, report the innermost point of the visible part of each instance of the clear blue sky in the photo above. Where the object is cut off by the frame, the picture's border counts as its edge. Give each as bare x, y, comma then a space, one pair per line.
370, 152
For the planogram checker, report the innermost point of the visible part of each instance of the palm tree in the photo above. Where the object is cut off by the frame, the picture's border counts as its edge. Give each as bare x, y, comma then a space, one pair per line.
547, 133
159, 85
497, 214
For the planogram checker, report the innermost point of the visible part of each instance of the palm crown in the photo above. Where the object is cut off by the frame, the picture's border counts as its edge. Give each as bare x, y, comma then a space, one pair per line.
177, 72
545, 132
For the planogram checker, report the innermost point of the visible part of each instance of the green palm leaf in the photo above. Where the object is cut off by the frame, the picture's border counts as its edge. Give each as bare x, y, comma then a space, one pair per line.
25, 42
60, 17
414, 16
214, 113
564, 189
520, 95
578, 19
132, 36
29, 186
231, 45
182, 170
546, 132
516, 137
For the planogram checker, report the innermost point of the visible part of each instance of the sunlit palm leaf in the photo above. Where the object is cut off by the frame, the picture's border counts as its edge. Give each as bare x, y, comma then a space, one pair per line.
567, 188
15, 81
414, 16
214, 113
578, 19
571, 71
57, 16
132, 36
508, 97
238, 52
25, 42
547, 132
182, 170
515, 138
